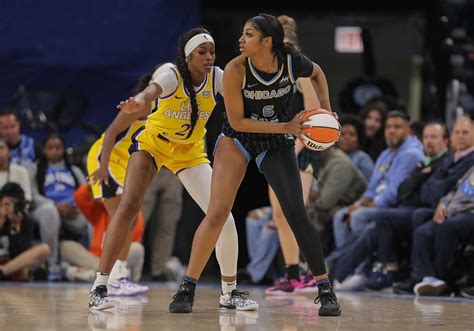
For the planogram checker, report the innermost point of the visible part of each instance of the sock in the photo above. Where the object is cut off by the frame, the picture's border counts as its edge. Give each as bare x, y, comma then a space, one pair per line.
323, 283
228, 287
190, 283
322, 280
101, 278
119, 270
293, 271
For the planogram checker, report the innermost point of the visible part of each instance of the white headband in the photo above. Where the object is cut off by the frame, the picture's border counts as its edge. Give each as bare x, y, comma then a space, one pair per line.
196, 41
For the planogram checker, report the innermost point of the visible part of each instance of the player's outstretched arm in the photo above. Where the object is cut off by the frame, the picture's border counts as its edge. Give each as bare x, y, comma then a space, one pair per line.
142, 100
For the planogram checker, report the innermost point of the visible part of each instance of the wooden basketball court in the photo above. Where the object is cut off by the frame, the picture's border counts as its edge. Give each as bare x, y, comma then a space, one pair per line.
63, 306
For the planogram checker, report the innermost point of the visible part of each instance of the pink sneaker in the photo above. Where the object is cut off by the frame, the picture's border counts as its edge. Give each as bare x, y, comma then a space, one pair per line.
283, 287
307, 284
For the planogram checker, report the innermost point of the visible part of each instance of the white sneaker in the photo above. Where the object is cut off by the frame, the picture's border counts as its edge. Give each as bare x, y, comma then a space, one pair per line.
351, 283
237, 300
430, 286
98, 299
125, 287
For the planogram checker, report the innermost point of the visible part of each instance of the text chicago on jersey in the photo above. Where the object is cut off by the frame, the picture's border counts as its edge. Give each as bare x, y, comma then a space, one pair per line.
259, 95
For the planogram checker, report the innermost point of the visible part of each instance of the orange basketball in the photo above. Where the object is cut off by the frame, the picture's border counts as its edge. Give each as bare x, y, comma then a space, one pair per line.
324, 131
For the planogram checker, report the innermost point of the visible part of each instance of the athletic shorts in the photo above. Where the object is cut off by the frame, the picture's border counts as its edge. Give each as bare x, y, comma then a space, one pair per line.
174, 156
308, 161
117, 168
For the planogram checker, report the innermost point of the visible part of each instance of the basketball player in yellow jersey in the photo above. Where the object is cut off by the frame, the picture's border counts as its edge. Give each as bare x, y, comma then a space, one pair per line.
173, 136
106, 165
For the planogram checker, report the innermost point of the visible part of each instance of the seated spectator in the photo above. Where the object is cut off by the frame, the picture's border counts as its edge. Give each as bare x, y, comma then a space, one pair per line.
17, 251
11, 172
422, 191
76, 255
49, 225
394, 225
445, 178
462, 143
350, 142
332, 192
435, 243
373, 114
392, 167
25, 151
262, 246
57, 180
435, 145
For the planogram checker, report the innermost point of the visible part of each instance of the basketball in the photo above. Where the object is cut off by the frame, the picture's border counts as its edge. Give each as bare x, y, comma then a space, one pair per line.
324, 131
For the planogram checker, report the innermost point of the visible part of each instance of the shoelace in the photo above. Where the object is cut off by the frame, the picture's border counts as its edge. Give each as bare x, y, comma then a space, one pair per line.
101, 291
239, 294
328, 296
183, 294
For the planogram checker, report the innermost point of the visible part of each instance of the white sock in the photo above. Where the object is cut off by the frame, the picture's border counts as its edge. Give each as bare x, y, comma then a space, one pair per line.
100, 279
228, 287
119, 270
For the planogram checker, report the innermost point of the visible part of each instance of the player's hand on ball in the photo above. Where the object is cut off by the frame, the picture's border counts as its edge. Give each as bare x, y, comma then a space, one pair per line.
296, 126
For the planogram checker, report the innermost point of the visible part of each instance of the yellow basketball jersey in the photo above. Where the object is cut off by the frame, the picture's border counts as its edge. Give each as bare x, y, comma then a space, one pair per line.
122, 142
172, 117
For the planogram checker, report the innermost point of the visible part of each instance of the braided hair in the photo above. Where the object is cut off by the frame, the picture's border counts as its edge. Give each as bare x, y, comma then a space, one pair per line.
270, 26
182, 65
42, 167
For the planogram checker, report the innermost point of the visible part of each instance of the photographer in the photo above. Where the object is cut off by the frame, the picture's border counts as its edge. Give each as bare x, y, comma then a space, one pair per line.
17, 251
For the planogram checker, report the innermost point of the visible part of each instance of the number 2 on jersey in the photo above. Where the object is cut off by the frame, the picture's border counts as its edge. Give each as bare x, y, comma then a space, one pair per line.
184, 132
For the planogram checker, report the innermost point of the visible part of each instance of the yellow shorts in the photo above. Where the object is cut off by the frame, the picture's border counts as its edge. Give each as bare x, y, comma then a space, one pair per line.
174, 156
117, 169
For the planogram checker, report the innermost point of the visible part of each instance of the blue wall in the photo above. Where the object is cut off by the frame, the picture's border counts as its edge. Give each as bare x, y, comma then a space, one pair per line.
96, 49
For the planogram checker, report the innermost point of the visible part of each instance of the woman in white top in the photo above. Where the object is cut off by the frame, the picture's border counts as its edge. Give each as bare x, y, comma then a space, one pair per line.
11, 172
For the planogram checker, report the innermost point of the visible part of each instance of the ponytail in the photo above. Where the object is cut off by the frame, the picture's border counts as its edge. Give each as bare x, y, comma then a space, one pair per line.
269, 26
